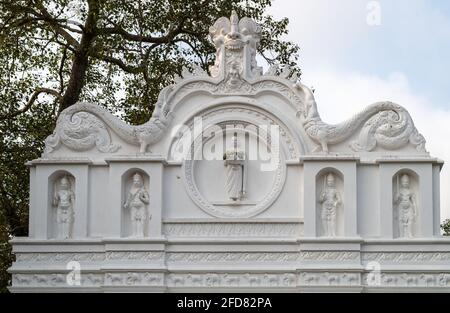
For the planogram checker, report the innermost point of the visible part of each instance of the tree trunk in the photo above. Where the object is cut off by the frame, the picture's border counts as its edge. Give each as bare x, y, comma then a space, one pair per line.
80, 63
77, 75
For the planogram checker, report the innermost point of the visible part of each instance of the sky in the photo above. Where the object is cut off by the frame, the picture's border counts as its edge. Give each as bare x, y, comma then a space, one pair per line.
356, 52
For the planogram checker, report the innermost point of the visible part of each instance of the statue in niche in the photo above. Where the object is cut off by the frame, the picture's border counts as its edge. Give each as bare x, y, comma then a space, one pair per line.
405, 202
235, 163
137, 201
63, 201
330, 199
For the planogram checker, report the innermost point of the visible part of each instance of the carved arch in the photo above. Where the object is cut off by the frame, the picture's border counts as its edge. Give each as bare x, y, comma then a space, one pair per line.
241, 109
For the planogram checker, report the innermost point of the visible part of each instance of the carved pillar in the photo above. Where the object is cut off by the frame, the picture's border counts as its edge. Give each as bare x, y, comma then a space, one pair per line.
309, 198
33, 216
350, 196
386, 196
115, 199
426, 214
40, 217
155, 169
436, 199
81, 216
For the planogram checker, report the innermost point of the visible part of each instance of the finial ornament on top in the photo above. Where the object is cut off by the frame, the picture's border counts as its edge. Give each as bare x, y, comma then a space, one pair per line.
236, 41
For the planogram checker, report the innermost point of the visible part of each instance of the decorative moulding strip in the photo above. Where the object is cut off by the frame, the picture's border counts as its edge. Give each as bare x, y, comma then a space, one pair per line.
412, 241
236, 230
136, 159
59, 161
329, 158
213, 279
173, 163
233, 220
401, 159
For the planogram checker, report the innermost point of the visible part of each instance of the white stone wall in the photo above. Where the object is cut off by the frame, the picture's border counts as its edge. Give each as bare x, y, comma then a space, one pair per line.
195, 238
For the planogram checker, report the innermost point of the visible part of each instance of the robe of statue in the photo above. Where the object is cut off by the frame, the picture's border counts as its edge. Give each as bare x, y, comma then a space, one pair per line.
405, 200
63, 201
234, 181
137, 201
330, 199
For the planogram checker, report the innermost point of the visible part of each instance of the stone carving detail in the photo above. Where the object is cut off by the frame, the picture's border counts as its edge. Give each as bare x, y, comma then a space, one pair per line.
51, 257
263, 280
330, 199
194, 193
329, 279
236, 42
385, 124
293, 149
263, 257
55, 280
279, 171
84, 126
63, 202
232, 229
134, 279
409, 280
255, 280
63, 257
407, 257
236, 176
136, 202
195, 257
406, 205
327, 256
134, 256
199, 257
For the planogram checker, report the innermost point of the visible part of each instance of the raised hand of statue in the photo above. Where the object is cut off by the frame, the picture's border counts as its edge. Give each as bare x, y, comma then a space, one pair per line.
143, 196
126, 205
322, 197
397, 198
55, 200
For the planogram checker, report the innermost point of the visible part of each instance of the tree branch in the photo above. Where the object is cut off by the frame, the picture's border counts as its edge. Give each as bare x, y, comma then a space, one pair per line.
60, 71
127, 68
30, 102
118, 30
58, 29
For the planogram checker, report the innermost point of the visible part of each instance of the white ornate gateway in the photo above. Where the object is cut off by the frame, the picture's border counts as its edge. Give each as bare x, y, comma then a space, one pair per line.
237, 184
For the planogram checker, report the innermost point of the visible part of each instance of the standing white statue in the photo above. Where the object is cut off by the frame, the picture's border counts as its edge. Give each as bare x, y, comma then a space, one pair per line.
63, 200
137, 201
236, 175
405, 202
330, 199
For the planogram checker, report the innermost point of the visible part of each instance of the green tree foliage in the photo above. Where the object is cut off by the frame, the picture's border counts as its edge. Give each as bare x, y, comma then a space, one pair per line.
445, 226
117, 53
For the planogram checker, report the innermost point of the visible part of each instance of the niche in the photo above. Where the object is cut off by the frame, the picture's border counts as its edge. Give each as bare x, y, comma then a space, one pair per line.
330, 203
135, 204
61, 203
405, 204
